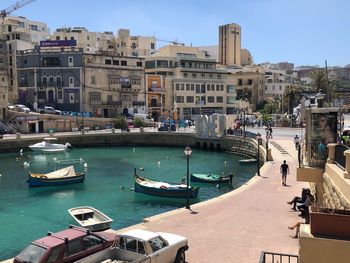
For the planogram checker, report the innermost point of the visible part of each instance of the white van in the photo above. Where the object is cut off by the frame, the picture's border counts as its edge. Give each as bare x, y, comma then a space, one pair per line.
144, 117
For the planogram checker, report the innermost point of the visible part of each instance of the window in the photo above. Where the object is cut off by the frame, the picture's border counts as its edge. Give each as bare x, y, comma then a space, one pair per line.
93, 80
189, 99
136, 81
139, 64
152, 46
124, 63
185, 75
91, 242
57, 37
180, 99
115, 62
53, 255
108, 62
182, 86
192, 87
217, 87
219, 99
94, 96
59, 94
114, 80
208, 87
211, 99
240, 82
157, 243
21, 24
177, 86
73, 247
230, 89
71, 82
44, 80
71, 38
34, 27
187, 86
250, 82
51, 62
194, 75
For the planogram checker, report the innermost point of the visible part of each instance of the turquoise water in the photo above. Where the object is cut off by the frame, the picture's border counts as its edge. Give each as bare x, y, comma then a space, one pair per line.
27, 213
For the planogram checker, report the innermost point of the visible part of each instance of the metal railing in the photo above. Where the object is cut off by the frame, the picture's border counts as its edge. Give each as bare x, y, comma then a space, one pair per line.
271, 257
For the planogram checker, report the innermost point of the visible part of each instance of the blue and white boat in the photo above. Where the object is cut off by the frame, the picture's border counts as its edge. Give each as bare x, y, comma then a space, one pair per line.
62, 176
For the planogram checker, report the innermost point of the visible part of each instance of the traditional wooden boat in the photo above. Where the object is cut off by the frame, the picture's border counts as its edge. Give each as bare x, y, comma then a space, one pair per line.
62, 176
90, 218
163, 189
211, 178
243, 161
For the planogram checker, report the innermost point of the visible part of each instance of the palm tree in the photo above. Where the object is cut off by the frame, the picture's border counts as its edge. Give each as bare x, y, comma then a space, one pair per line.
290, 93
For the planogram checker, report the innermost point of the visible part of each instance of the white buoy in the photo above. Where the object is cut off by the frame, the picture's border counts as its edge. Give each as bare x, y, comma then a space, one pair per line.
21, 152
158, 163
133, 149
217, 186
55, 159
142, 169
225, 162
26, 164
85, 166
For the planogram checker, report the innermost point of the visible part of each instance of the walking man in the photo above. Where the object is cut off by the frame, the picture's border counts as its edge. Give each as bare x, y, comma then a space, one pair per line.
296, 142
284, 171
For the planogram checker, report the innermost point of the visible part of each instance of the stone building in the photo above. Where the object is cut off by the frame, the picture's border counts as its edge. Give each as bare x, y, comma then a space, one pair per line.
51, 77
3, 80
20, 34
113, 85
230, 45
193, 85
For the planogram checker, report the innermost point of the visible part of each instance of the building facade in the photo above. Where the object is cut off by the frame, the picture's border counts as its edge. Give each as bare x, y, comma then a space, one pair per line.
113, 85
21, 34
3, 80
51, 77
230, 45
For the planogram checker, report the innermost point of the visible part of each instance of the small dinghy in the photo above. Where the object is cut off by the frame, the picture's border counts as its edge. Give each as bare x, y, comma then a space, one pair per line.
243, 161
211, 178
90, 218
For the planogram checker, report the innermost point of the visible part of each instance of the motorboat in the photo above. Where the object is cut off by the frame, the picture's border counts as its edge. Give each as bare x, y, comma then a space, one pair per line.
62, 176
48, 146
163, 189
90, 218
211, 178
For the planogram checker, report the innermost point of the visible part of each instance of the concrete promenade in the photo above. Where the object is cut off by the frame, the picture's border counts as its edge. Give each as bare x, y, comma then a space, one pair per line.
236, 227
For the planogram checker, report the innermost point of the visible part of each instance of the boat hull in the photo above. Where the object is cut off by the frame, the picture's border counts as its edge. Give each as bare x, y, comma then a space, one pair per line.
169, 193
37, 181
209, 178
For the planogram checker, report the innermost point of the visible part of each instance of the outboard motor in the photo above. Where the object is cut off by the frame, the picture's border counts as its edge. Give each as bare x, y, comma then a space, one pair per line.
68, 146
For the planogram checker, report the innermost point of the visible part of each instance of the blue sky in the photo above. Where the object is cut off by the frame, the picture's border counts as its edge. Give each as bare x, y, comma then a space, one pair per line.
304, 32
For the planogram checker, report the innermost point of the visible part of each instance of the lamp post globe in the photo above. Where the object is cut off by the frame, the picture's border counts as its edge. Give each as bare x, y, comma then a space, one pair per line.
188, 152
258, 138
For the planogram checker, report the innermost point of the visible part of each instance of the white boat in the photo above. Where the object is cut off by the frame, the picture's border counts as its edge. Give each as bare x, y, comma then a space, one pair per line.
248, 161
90, 218
47, 146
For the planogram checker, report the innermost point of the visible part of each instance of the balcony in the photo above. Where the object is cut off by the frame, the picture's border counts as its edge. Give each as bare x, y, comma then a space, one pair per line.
111, 103
138, 103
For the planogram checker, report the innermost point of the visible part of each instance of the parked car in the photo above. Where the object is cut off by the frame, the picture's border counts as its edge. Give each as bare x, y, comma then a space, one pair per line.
139, 245
11, 106
49, 110
21, 108
68, 245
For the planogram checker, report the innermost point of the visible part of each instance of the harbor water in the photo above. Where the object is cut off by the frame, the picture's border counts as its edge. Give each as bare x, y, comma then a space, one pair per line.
27, 213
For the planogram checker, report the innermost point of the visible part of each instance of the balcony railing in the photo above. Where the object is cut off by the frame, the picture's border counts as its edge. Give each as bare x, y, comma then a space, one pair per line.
271, 257
138, 103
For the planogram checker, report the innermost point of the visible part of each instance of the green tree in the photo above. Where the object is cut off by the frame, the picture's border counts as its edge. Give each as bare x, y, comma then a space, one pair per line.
139, 123
291, 97
120, 123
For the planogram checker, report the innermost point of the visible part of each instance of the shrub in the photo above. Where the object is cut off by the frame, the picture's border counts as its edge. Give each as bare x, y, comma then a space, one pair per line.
120, 123
139, 123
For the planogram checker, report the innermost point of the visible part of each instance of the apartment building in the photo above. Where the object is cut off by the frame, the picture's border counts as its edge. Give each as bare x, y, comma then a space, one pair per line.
51, 77
134, 46
230, 45
3, 80
20, 34
90, 42
113, 85
193, 85
275, 83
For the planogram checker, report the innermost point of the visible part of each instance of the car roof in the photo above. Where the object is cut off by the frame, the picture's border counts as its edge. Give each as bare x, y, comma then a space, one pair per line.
54, 239
141, 234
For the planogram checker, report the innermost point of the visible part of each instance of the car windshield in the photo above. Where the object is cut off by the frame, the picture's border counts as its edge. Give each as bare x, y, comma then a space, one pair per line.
31, 254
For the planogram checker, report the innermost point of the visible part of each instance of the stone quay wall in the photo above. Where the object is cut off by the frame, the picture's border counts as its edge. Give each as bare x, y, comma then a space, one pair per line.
244, 146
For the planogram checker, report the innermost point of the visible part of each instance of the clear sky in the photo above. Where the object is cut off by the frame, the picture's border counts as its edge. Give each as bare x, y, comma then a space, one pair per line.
303, 32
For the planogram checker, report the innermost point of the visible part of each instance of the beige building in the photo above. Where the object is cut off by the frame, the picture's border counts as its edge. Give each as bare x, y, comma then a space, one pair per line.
90, 42
193, 85
21, 34
134, 46
113, 85
246, 57
230, 45
3, 80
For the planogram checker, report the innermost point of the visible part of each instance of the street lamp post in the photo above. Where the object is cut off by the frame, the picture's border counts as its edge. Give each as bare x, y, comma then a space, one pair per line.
258, 138
188, 152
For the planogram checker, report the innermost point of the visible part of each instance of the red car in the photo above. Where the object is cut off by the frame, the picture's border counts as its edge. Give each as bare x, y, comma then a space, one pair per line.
66, 246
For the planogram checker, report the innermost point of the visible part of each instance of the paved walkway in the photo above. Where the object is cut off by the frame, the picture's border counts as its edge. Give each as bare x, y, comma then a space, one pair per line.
236, 227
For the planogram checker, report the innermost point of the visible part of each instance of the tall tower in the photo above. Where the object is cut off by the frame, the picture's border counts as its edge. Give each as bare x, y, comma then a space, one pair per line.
230, 45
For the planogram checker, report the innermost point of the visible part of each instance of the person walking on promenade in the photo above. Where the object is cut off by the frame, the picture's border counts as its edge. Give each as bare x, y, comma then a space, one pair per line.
296, 142
284, 169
